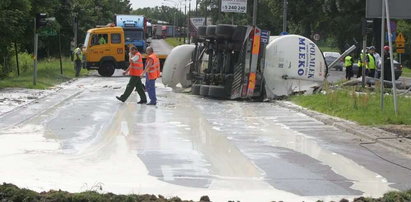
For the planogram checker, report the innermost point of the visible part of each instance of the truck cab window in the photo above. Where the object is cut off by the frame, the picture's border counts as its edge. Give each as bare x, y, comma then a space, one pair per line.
99, 39
115, 38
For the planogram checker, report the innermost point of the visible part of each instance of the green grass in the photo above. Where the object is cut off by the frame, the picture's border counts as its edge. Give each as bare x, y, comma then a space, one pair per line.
406, 72
48, 75
10, 192
362, 108
174, 41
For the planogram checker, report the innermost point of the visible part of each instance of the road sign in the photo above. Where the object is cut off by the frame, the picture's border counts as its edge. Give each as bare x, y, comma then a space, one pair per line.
400, 50
399, 9
400, 38
48, 32
197, 22
400, 42
316, 37
234, 6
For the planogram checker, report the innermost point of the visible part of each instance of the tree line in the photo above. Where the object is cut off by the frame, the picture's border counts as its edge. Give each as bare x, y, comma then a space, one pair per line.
17, 24
338, 22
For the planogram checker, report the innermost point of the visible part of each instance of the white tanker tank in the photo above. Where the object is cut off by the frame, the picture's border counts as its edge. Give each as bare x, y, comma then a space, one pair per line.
284, 65
293, 63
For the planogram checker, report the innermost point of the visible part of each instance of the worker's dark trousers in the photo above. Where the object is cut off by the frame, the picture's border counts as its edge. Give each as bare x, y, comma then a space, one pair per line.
371, 72
77, 67
135, 81
348, 72
151, 90
359, 73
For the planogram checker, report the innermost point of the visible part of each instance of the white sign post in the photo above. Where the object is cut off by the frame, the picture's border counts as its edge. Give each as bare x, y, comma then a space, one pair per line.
234, 6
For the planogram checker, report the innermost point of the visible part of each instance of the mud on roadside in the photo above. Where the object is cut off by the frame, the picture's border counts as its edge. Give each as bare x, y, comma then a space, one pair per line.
400, 130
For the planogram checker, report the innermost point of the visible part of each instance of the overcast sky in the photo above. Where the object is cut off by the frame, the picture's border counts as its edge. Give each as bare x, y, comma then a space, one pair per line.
153, 3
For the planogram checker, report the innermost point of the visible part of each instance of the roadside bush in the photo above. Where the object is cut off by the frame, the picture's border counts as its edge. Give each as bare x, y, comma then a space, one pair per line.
25, 63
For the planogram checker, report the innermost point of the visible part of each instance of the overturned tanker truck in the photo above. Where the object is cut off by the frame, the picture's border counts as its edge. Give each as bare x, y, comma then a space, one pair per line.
244, 62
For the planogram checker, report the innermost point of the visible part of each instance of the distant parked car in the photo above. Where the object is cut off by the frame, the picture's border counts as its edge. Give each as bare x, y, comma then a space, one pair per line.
397, 69
331, 57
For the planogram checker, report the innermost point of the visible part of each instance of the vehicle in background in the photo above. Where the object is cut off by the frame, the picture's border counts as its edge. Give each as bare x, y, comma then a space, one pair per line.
331, 57
397, 70
158, 31
149, 33
106, 49
134, 30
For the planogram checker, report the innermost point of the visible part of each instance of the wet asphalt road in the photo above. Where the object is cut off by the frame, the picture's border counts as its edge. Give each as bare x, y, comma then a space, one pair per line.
82, 138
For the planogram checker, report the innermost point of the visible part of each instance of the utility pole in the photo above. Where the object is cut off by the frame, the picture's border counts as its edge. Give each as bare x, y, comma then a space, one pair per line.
255, 13
75, 28
394, 90
382, 55
188, 22
185, 13
36, 41
285, 6
17, 58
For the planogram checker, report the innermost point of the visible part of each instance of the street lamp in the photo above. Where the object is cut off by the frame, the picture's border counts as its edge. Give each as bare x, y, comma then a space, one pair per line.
285, 5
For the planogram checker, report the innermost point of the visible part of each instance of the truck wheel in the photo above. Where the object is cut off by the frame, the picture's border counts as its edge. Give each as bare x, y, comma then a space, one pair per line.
239, 33
204, 90
202, 30
195, 89
106, 69
217, 92
225, 31
210, 32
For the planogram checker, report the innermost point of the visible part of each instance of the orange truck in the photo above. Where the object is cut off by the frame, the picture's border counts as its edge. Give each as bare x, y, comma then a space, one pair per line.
105, 49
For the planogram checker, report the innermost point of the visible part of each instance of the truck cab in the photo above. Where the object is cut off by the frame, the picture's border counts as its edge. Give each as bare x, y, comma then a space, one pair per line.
105, 50
134, 27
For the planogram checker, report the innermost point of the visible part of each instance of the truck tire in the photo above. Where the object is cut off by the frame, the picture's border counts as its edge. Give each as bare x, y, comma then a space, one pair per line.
217, 92
202, 31
106, 69
204, 90
239, 33
210, 32
195, 89
224, 31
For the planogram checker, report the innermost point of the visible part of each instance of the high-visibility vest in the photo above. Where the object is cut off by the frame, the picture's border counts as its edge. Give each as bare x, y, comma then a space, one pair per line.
348, 61
77, 54
371, 62
154, 68
360, 64
102, 40
137, 68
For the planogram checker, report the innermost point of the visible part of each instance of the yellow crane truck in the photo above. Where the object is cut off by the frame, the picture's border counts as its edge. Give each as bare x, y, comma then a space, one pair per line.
105, 49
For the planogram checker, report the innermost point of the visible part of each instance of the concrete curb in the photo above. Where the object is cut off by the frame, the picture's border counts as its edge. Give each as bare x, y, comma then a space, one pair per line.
369, 134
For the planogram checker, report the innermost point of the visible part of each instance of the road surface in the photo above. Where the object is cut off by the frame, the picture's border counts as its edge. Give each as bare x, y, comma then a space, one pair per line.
81, 138
161, 47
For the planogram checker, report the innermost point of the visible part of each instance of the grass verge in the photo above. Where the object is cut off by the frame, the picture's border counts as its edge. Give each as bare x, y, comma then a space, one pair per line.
174, 41
406, 72
48, 75
363, 108
9, 192
329, 49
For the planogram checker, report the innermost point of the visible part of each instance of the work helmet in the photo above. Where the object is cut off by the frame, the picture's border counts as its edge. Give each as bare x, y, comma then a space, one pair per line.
387, 48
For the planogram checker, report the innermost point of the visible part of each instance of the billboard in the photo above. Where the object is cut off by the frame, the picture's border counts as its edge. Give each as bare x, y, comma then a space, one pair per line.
399, 9
234, 6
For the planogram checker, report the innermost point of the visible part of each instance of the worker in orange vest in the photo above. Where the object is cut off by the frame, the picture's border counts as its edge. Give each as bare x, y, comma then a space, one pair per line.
135, 69
152, 72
